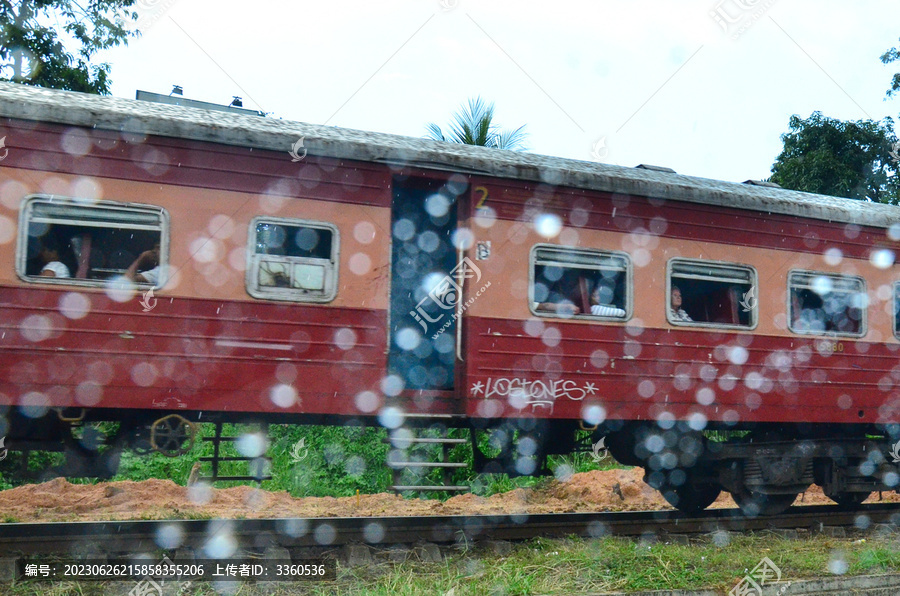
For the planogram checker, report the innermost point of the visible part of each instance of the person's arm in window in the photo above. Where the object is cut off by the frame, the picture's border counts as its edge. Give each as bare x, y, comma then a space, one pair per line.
562, 308
148, 263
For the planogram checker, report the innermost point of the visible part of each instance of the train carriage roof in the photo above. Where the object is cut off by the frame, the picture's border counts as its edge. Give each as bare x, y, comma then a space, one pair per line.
128, 115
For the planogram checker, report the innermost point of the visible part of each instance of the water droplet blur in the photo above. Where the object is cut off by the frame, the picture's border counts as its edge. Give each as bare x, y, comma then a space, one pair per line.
882, 258
548, 225
283, 396
252, 444
838, 564
833, 256
74, 305
593, 414
325, 534
390, 417
373, 532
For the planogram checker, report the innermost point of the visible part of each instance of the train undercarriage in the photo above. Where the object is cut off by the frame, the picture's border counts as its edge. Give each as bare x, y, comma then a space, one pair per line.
764, 467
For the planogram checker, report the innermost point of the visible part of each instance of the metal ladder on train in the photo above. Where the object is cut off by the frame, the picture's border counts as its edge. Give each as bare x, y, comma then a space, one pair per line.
257, 466
407, 440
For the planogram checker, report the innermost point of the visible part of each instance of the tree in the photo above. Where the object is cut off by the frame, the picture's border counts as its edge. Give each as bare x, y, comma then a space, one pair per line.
892, 55
50, 43
474, 124
845, 159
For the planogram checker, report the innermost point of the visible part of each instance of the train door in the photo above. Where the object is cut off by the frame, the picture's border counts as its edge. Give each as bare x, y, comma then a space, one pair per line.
424, 293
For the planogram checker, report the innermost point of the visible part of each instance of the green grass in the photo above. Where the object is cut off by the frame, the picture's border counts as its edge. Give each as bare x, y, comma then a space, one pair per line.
335, 461
573, 566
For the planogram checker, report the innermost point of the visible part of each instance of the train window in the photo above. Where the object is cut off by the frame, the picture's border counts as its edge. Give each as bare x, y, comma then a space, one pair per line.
86, 243
292, 260
580, 282
827, 303
897, 310
710, 293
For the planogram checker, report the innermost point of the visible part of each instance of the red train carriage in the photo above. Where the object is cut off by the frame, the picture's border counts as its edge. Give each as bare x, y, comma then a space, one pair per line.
723, 336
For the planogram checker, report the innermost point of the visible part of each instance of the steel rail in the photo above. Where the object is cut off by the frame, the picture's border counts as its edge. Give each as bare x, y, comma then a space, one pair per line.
77, 538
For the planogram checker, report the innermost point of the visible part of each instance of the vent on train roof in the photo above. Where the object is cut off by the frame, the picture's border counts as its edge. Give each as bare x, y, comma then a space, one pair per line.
762, 183
644, 166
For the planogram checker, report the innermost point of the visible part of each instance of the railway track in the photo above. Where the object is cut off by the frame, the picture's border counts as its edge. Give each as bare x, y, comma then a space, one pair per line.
84, 538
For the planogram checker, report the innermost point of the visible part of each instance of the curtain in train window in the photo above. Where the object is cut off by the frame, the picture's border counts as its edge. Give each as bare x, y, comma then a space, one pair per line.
827, 303
579, 282
82, 242
292, 260
710, 293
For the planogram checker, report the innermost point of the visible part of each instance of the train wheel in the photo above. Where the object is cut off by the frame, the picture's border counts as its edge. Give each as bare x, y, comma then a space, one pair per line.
691, 497
172, 435
754, 504
848, 500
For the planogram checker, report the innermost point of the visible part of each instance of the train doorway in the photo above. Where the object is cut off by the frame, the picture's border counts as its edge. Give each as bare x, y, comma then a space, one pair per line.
424, 294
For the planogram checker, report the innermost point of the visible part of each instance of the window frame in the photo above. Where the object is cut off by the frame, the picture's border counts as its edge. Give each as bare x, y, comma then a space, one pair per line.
863, 326
754, 283
896, 300
629, 283
251, 278
27, 207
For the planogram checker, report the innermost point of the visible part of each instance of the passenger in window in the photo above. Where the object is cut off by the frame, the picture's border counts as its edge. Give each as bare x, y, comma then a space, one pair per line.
807, 311
676, 313
50, 257
145, 268
602, 300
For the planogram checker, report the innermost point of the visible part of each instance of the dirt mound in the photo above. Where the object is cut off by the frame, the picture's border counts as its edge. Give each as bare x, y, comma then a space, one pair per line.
59, 500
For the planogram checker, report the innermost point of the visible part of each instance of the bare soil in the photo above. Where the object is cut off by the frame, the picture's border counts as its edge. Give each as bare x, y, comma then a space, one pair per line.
59, 500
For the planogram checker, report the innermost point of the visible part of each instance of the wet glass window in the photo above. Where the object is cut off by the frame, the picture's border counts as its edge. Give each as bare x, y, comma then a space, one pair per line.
580, 282
708, 293
293, 260
70, 241
827, 303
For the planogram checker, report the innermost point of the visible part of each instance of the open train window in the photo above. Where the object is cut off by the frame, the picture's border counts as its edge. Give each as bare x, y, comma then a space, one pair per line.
580, 282
711, 293
292, 259
81, 242
827, 303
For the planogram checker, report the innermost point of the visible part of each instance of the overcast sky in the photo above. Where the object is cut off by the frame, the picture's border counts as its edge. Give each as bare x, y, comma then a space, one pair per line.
705, 87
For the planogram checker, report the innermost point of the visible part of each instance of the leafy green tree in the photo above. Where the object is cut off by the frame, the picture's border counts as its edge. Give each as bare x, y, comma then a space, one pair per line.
474, 124
50, 43
839, 158
892, 55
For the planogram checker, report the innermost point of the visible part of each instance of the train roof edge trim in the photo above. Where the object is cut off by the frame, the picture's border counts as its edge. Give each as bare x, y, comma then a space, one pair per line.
141, 117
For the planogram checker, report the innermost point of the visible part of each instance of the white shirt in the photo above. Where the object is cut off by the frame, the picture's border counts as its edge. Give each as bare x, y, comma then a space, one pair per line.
680, 315
602, 310
151, 275
58, 269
